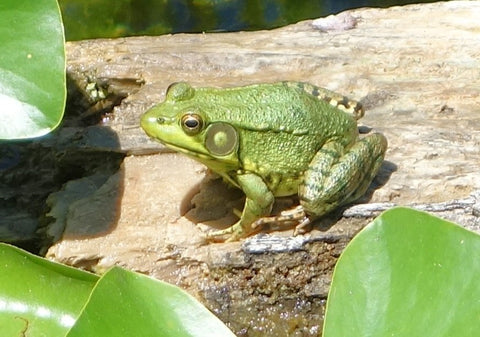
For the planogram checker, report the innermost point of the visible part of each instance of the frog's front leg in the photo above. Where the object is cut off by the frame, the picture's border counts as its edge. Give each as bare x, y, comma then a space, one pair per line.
336, 176
258, 203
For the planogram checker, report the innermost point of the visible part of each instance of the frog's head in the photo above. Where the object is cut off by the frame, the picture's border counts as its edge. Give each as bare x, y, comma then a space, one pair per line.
180, 123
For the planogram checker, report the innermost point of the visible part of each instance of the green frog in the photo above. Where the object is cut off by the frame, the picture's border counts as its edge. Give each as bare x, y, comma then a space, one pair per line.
272, 140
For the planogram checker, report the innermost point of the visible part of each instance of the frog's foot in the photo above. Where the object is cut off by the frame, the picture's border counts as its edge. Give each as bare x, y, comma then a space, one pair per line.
219, 235
295, 216
230, 234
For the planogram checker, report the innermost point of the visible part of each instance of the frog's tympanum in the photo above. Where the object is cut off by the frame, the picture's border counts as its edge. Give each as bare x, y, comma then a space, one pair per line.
272, 140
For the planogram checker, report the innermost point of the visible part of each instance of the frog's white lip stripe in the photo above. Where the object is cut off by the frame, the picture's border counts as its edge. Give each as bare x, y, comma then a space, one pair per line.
189, 152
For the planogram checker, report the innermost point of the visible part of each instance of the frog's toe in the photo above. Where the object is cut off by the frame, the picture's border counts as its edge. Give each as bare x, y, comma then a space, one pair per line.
230, 234
218, 236
303, 226
209, 238
233, 238
286, 219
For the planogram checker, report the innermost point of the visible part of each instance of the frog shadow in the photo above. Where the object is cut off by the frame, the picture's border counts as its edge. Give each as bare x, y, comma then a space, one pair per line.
212, 202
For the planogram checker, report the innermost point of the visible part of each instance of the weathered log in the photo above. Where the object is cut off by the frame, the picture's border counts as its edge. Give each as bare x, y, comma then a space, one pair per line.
415, 68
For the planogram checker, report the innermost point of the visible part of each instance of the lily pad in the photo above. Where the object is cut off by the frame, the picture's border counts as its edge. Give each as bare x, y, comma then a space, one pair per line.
129, 304
42, 298
408, 273
32, 68
39, 297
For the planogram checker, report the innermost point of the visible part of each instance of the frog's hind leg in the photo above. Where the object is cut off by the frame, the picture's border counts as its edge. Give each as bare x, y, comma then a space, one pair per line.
378, 149
333, 179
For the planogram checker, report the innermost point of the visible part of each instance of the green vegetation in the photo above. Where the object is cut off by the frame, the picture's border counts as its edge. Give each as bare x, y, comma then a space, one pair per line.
32, 68
407, 273
42, 298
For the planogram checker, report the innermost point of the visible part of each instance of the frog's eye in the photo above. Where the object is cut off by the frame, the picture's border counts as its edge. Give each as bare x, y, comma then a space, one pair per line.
192, 123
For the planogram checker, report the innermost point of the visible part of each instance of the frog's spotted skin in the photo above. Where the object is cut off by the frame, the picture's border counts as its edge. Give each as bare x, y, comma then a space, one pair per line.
272, 140
336, 100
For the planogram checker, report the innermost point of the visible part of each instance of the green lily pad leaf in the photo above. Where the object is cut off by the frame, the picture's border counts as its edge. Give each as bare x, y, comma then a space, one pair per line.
39, 297
407, 273
42, 298
32, 68
129, 304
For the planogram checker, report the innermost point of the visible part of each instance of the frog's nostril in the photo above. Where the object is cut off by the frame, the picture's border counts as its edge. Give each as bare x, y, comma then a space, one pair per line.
161, 120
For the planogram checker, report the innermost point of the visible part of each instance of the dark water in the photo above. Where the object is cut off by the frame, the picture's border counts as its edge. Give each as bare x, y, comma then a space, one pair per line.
86, 19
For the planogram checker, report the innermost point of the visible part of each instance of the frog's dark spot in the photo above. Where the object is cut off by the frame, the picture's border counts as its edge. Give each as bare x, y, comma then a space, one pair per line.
329, 153
315, 92
315, 188
269, 179
317, 169
345, 102
358, 107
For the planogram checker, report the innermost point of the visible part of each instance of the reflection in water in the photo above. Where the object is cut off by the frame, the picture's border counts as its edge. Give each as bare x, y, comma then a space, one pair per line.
85, 19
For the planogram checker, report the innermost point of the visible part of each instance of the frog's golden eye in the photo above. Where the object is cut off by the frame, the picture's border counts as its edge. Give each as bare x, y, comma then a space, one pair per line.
192, 123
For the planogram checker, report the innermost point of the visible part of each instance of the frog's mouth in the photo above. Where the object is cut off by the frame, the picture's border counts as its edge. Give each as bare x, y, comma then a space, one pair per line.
188, 151
215, 163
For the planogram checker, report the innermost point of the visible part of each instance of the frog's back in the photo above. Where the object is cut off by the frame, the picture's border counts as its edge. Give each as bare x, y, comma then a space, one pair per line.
284, 107
281, 126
